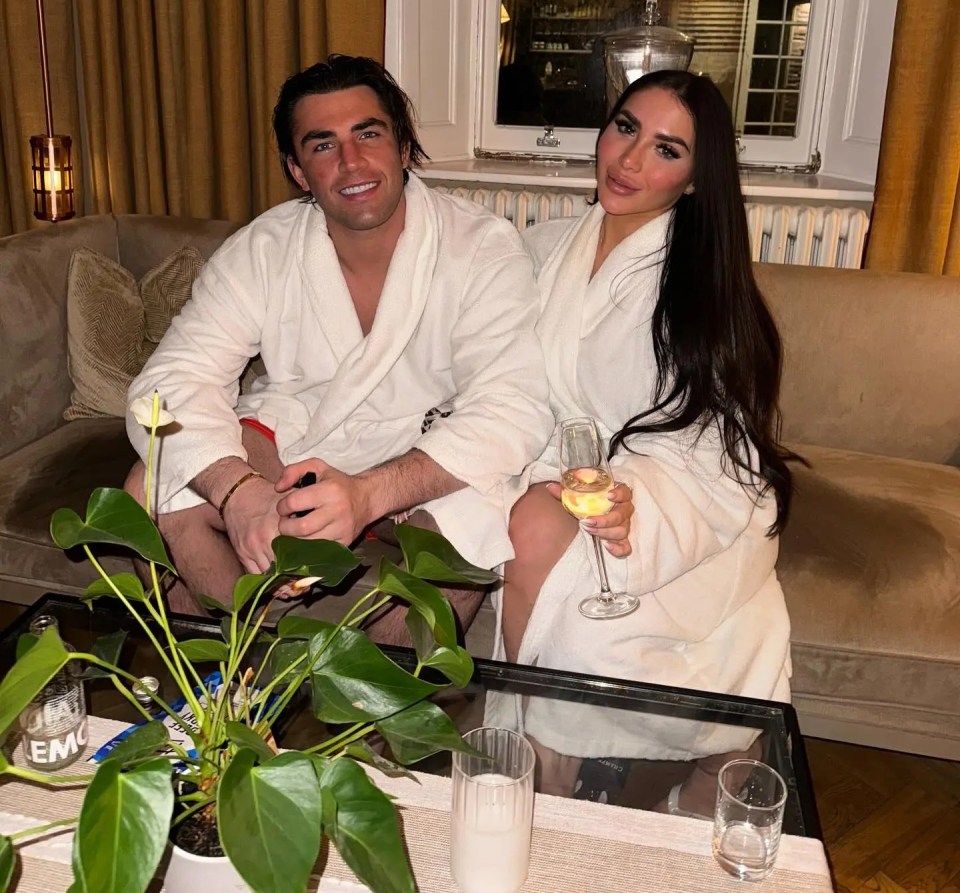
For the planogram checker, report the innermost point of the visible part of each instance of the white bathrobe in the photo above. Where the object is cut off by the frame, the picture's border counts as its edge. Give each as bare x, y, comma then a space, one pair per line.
453, 329
712, 614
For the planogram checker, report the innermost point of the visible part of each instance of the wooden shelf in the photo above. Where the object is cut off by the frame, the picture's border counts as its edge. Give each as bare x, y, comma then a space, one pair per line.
564, 52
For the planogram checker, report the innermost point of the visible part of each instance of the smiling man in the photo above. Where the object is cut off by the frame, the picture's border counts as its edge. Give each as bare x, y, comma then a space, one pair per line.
395, 325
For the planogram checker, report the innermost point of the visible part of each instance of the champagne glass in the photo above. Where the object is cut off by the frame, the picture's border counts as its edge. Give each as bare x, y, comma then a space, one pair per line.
586, 479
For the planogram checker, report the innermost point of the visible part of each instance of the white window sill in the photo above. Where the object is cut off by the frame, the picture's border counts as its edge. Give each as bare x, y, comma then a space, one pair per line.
572, 176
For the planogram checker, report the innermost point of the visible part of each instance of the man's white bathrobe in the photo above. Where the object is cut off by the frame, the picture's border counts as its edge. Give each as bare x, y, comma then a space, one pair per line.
453, 329
712, 614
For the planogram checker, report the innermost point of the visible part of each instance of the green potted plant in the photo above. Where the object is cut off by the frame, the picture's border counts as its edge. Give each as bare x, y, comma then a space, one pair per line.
268, 811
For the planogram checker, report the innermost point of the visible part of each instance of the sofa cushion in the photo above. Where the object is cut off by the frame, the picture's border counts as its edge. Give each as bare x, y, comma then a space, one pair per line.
870, 565
114, 323
58, 470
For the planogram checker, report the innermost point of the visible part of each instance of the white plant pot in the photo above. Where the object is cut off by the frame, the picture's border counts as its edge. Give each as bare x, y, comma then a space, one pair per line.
188, 873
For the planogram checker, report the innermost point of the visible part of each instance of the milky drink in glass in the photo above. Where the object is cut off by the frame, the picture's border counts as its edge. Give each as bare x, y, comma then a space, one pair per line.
492, 812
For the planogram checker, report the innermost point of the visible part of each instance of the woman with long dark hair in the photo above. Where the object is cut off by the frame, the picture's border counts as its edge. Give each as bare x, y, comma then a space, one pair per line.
652, 324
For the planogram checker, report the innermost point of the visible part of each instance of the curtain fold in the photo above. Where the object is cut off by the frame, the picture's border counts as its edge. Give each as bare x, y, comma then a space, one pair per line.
177, 97
916, 213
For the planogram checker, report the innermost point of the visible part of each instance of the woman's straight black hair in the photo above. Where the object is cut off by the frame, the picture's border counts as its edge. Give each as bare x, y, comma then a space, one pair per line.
716, 345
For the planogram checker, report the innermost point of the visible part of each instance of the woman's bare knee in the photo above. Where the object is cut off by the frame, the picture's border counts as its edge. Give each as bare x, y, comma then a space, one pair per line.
134, 484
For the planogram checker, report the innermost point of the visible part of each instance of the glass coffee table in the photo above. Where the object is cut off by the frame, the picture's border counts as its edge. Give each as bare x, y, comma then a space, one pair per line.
646, 784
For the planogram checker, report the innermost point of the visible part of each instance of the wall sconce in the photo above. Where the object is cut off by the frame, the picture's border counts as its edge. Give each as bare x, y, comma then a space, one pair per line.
50, 154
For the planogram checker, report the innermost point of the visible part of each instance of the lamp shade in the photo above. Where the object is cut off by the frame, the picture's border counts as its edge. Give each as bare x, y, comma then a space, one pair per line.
633, 52
52, 178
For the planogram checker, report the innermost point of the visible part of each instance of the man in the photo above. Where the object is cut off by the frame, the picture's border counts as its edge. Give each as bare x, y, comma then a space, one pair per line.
372, 302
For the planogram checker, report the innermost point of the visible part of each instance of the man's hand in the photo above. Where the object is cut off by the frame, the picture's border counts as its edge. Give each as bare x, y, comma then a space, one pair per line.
339, 503
252, 520
614, 526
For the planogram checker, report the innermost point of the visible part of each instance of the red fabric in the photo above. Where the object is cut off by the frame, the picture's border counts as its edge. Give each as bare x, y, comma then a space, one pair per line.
259, 426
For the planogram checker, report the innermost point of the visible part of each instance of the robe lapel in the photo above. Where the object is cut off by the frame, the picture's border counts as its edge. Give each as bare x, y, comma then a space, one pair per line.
363, 363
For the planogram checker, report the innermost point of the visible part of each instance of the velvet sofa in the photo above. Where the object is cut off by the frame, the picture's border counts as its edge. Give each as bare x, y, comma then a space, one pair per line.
870, 559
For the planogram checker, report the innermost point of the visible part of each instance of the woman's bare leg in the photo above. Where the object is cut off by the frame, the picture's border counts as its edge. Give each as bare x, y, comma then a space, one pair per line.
540, 530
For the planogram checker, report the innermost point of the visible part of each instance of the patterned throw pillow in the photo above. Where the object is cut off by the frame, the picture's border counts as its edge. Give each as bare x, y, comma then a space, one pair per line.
114, 323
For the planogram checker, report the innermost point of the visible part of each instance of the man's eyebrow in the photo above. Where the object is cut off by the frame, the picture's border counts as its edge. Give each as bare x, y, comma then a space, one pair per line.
365, 124
368, 122
315, 135
665, 137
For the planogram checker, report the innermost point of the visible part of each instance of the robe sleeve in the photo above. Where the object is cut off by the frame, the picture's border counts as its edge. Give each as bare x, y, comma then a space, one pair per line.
501, 417
196, 370
689, 510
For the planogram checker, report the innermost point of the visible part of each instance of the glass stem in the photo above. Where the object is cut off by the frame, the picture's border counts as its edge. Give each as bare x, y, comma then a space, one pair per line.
605, 594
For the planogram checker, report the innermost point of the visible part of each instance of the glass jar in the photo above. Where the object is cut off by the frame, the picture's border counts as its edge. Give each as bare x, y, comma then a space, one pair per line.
54, 724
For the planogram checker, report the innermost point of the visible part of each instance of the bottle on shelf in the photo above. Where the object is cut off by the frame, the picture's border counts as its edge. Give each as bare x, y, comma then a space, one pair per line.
54, 724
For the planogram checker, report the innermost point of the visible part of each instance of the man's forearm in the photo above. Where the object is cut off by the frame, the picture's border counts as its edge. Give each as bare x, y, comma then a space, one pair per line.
215, 481
408, 480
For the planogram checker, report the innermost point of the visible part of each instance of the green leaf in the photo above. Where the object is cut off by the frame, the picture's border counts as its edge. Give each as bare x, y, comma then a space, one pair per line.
455, 663
244, 736
424, 598
211, 604
327, 560
246, 588
420, 731
286, 653
123, 827
353, 680
296, 627
362, 751
128, 584
28, 677
107, 648
430, 556
270, 820
362, 823
142, 742
114, 517
3, 763
204, 649
8, 861
25, 643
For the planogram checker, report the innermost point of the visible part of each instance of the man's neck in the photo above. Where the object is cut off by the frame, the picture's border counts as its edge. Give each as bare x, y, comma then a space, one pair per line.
369, 249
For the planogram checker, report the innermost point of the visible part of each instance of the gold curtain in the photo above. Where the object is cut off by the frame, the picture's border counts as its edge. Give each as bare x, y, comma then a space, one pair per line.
916, 214
177, 97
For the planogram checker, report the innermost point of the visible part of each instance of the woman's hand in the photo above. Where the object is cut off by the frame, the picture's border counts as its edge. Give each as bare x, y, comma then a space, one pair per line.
613, 527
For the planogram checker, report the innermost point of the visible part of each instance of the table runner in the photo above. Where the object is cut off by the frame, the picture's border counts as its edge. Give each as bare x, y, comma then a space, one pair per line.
577, 845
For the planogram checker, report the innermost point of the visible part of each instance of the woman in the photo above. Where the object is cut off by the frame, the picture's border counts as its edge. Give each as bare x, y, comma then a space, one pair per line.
652, 323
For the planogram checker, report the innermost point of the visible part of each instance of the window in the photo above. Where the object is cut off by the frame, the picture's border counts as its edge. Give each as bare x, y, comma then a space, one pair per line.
543, 81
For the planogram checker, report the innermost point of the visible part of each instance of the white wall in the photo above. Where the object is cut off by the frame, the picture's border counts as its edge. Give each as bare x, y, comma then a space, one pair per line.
432, 48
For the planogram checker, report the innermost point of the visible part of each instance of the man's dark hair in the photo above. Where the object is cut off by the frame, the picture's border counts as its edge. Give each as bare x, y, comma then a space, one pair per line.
341, 72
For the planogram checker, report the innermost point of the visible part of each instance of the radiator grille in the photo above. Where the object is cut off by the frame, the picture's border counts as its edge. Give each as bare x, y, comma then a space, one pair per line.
816, 236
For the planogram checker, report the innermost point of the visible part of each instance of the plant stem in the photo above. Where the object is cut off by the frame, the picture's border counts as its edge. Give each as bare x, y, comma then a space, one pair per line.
40, 778
178, 677
360, 732
30, 832
197, 807
338, 740
350, 620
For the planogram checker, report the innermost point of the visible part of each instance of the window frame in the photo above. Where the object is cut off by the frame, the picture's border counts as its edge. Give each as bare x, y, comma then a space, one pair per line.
797, 153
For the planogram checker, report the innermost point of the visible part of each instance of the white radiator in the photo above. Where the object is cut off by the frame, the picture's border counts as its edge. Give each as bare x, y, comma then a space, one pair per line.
816, 236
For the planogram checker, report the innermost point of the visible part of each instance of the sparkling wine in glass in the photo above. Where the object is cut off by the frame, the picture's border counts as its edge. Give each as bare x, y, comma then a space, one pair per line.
587, 480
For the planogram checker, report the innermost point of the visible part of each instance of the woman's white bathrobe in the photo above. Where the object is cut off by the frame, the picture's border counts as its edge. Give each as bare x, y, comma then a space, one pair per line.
712, 614
453, 329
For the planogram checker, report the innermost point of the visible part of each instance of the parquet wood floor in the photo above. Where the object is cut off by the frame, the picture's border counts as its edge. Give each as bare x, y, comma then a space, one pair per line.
891, 821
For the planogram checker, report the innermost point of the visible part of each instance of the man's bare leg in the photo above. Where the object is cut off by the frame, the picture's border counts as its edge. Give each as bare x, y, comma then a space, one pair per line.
196, 537
540, 530
389, 627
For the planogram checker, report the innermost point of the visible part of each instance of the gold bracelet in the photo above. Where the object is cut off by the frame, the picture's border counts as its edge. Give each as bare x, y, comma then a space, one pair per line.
235, 487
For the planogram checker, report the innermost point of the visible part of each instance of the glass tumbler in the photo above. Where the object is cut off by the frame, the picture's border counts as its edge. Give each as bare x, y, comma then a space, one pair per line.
492, 813
747, 821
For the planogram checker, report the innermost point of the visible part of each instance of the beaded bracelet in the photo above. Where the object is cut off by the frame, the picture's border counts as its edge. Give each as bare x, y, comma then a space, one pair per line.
235, 487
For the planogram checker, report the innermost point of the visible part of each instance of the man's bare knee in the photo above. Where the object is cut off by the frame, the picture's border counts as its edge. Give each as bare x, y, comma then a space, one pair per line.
135, 482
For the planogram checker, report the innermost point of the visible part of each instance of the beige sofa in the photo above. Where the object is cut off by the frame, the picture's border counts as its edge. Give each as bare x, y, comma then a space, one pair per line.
870, 560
